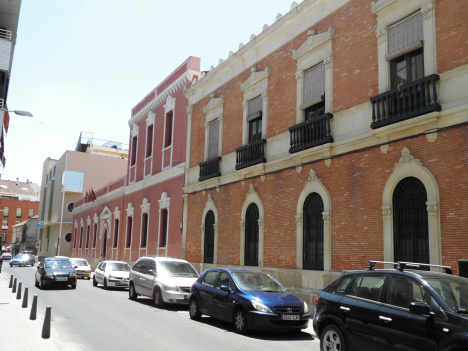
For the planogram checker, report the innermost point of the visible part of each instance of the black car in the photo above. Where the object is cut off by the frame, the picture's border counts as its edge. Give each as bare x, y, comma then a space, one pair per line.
248, 299
407, 308
55, 271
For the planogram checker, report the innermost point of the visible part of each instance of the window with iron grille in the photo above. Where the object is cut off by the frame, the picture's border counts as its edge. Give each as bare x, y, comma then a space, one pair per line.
213, 139
410, 221
405, 42
313, 233
254, 118
95, 236
251, 236
163, 237
144, 229
116, 232
313, 103
129, 231
209, 238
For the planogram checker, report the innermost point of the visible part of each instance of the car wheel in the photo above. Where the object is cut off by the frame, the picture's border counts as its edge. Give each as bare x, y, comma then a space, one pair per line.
157, 298
41, 284
194, 310
73, 286
240, 321
105, 284
132, 295
332, 339
89, 278
95, 283
36, 284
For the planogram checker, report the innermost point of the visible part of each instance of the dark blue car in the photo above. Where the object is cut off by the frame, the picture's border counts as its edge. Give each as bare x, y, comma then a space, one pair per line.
248, 299
23, 260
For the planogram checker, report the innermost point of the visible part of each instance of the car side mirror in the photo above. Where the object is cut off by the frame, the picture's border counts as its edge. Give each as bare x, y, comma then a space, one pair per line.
421, 308
225, 288
75, 267
152, 272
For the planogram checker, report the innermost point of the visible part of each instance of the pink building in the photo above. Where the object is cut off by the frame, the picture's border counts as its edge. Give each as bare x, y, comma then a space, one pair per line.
141, 213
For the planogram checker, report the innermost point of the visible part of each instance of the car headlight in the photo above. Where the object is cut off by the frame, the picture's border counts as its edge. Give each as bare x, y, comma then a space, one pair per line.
72, 275
260, 307
169, 287
48, 275
111, 276
306, 307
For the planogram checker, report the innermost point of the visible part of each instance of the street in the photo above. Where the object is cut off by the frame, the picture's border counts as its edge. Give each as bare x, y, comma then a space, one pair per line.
91, 318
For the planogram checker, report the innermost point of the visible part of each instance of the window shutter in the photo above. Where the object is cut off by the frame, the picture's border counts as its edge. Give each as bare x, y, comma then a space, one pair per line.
405, 35
213, 139
255, 108
314, 85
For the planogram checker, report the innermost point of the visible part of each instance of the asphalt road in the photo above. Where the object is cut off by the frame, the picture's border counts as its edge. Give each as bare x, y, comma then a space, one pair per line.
93, 319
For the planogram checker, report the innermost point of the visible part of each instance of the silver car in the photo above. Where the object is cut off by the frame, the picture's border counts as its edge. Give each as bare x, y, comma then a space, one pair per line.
112, 274
164, 279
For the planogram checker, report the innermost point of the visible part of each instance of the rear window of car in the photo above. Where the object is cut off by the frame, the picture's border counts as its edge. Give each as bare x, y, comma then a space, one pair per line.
343, 285
209, 278
368, 287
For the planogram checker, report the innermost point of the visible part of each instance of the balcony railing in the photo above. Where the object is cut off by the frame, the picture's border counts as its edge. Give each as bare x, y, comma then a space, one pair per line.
410, 100
251, 154
5, 34
209, 169
313, 132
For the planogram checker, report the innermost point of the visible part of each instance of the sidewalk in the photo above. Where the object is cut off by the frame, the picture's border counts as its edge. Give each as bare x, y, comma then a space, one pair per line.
17, 331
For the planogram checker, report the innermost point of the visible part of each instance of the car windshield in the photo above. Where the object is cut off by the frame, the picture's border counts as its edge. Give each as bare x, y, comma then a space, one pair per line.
79, 262
57, 264
116, 266
22, 257
177, 269
257, 281
454, 290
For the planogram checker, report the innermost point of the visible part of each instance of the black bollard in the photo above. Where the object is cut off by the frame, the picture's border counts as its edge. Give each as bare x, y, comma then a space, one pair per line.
18, 293
14, 286
32, 316
11, 281
25, 298
46, 325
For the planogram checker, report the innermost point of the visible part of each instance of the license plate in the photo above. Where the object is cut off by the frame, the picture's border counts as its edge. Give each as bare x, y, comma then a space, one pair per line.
61, 279
290, 317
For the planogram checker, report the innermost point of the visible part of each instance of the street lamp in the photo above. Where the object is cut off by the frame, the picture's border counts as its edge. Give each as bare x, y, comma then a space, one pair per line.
20, 113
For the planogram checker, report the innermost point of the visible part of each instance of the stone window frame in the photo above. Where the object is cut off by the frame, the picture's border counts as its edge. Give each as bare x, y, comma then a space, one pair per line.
164, 204
145, 209
314, 185
209, 206
389, 12
116, 231
253, 197
130, 212
132, 166
256, 85
169, 107
409, 166
213, 111
318, 48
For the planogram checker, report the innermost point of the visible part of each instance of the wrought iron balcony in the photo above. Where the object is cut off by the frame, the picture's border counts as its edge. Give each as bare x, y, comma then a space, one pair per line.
209, 169
410, 100
251, 154
313, 132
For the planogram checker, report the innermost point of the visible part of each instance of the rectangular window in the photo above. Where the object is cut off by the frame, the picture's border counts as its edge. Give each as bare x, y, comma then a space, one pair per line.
168, 132
95, 236
74, 239
407, 68
88, 231
254, 118
6, 211
18, 213
313, 101
134, 151
144, 229
5, 224
81, 237
31, 213
116, 232
149, 141
213, 139
3, 237
129, 231
163, 237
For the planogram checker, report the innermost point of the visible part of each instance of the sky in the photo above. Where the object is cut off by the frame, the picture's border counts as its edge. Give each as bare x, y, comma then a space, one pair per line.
82, 65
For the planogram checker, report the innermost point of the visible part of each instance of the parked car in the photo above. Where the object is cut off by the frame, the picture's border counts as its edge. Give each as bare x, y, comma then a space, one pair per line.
394, 309
164, 279
6, 256
112, 274
23, 260
82, 268
248, 299
55, 271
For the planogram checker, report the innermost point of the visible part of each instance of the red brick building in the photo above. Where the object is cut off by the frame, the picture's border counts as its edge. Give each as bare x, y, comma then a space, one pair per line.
335, 136
18, 202
141, 213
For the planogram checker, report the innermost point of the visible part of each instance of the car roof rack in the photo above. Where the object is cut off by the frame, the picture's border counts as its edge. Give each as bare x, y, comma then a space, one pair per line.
400, 265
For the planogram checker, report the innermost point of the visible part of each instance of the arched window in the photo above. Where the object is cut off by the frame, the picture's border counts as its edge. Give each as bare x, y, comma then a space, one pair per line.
251, 236
209, 237
410, 222
313, 233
